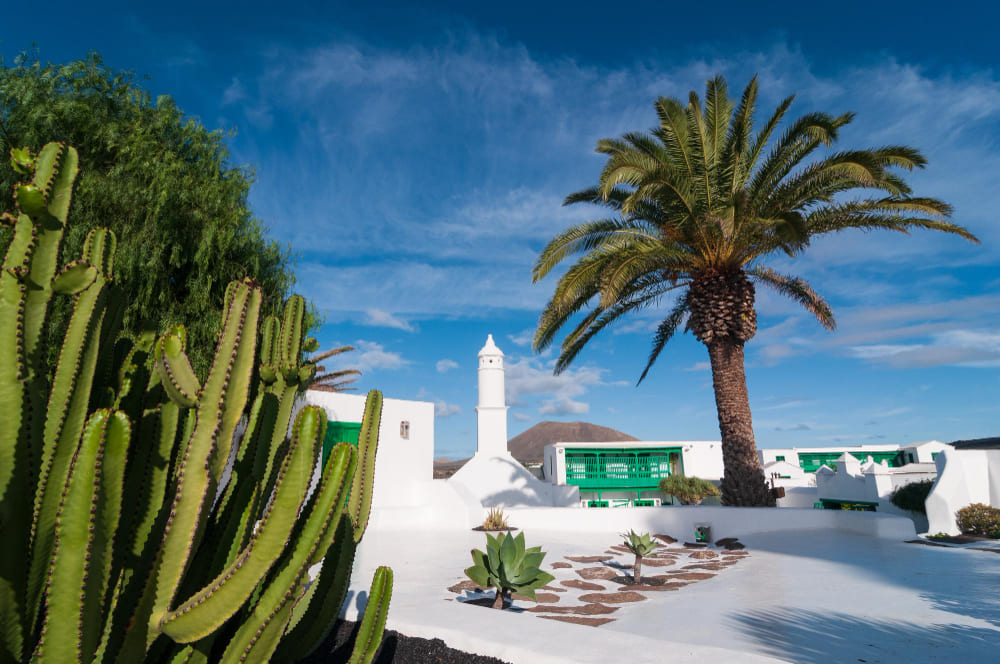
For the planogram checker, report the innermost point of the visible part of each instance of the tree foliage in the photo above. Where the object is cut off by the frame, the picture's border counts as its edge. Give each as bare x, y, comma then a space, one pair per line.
157, 178
913, 496
688, 490
697, 209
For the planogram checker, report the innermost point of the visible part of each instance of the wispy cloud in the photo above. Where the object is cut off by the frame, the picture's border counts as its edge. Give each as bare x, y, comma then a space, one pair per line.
528, 379
371, 355
445, 365
444, 409
522, 338
379, 318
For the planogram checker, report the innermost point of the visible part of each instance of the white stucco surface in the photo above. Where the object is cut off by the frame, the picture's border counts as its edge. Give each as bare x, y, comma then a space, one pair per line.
964, 477
824, 595
500, 481
403, 466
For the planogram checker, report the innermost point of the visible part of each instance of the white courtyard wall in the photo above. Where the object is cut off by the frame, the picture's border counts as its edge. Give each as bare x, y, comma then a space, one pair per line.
964, 477
403, 467
724, 521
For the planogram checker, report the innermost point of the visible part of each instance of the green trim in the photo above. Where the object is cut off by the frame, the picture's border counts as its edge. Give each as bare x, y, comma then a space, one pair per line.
340, 432
621, 468
813, 461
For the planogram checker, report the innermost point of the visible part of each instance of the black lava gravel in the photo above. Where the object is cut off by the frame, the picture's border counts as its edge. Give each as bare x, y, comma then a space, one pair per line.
396, 649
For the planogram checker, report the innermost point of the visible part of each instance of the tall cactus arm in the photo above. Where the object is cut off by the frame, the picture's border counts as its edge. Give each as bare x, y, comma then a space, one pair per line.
209, 608
316, 613
195, 488
373, 623
67, 409
145, 489
176, 374
235, 396
56, 169
360, 504
290, 340
256, 639
109, 507
15, 455
63, 632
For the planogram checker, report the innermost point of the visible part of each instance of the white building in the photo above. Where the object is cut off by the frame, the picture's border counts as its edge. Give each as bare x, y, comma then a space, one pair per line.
968, 473
810, 459
493, 477
404, 463
869, 486
622, 473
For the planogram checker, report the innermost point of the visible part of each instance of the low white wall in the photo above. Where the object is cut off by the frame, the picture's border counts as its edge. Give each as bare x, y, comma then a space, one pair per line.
798, 496
725, 521
964, 477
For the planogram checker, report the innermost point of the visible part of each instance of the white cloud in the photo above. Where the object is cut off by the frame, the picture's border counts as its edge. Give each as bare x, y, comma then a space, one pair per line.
379, 318
445, 365
522, 338
563, 406
372, 355
464, 240
444, 409
699, 366
966, 348
521, 417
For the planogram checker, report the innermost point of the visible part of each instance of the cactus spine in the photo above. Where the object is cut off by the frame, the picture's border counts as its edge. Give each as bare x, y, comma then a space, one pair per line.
118, 549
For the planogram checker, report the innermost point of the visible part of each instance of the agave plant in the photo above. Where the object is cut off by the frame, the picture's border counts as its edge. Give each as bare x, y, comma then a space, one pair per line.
641, 546
509, 567
495, 519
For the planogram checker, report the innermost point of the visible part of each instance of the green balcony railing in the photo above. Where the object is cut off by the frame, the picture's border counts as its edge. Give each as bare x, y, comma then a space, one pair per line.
813, 461
621, 468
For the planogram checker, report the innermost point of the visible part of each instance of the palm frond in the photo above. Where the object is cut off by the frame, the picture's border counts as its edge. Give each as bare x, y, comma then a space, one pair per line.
665, 332
798, 290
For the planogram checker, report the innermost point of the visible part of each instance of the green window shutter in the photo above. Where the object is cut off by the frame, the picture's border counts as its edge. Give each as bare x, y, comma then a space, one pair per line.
340, 432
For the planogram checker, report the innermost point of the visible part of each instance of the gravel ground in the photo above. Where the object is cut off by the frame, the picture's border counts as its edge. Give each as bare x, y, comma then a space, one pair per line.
396, 649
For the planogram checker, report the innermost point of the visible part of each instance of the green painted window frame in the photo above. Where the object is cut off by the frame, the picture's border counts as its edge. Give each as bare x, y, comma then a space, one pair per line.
340, 432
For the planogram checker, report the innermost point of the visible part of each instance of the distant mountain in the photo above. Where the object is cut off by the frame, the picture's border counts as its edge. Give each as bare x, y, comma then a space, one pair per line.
528, 447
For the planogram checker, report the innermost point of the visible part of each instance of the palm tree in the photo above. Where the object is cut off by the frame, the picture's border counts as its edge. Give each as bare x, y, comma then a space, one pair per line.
698, 205
333, 381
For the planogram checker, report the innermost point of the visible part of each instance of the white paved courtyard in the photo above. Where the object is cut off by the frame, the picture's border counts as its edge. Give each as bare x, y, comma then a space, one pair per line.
800, 596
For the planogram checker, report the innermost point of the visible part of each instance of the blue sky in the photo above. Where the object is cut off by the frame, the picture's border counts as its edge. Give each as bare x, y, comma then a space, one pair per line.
416, 159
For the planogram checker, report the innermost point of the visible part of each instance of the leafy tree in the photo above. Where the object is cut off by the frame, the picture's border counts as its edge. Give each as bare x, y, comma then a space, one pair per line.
688, 490
160, 180
698, 205
913, 496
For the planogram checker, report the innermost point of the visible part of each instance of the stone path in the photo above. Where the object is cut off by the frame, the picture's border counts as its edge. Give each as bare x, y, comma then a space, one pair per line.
587, 586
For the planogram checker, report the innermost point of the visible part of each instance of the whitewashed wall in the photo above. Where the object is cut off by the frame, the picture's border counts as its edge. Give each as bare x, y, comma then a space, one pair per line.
402, 466
964, 477
725, 521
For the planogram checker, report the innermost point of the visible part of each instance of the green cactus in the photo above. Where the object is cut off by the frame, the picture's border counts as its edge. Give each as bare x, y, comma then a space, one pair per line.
118, 544
641, 546
509, 567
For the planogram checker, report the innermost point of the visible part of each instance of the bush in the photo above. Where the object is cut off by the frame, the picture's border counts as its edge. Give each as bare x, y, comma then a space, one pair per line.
689, 490
979, 519
913, 497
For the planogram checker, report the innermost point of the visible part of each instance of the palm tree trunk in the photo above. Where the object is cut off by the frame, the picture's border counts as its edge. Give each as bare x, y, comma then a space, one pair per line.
743, 483
637, 569
498, 602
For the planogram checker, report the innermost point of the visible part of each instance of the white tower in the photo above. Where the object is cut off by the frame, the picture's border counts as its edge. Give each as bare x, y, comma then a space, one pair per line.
492, 408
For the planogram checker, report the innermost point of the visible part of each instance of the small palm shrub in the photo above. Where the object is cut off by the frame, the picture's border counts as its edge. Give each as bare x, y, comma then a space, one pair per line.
912, 497
641, 546
509, 567
495, 520
979, 519
688, 490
